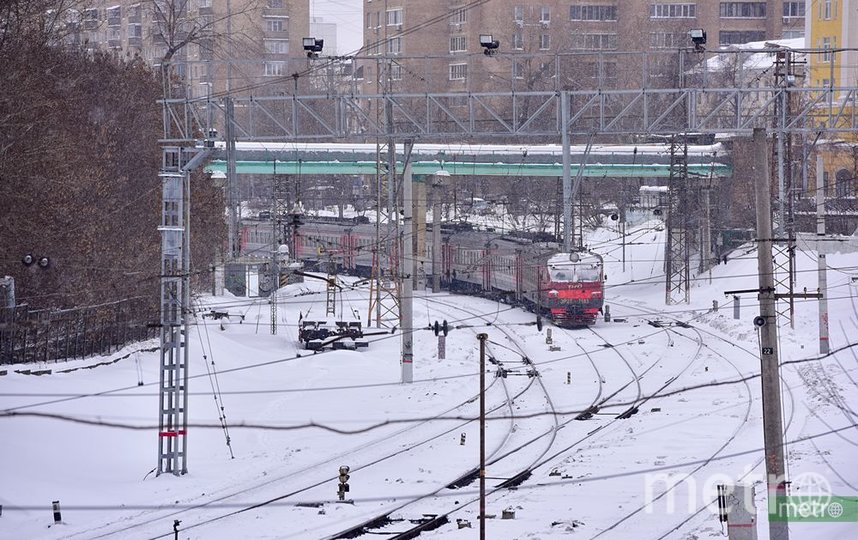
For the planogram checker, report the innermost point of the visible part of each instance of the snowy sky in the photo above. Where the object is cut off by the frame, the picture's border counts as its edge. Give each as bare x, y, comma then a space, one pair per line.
347, 15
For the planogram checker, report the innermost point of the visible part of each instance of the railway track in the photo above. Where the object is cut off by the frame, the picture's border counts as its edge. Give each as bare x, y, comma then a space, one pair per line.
379, 523
748, 394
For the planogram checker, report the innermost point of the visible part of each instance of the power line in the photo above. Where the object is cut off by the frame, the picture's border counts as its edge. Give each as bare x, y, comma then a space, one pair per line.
12, 413
449, 493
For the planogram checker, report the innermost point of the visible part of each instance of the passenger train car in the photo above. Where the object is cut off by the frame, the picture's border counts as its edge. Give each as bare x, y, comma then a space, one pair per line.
567, 287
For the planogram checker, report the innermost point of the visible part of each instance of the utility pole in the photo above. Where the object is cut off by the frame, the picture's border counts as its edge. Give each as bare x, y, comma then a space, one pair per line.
482, 338
568, 226
407, 299
706, 233
232, 196
436, 233
767, 322
821, 266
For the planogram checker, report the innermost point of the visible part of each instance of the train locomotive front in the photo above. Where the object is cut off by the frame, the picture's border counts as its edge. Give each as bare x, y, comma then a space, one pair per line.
571, 288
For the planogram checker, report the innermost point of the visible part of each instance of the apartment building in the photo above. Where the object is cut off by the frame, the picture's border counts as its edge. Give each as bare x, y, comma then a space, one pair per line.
832, 26
435, 44
234, 44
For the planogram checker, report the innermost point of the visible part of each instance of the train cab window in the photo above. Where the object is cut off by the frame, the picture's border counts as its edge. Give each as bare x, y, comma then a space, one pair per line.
588, 273
560, 274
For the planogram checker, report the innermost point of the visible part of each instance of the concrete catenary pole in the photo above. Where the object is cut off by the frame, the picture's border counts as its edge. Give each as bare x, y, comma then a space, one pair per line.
772, 420
567, 173
232, 195
406, 302
436, 233
824, 346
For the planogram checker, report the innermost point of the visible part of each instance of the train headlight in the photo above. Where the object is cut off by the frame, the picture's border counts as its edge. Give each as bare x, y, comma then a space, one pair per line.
553, 293
596, 294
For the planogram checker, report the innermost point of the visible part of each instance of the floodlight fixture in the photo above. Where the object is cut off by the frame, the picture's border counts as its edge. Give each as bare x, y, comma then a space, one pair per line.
313, 46
489, 44
698, 38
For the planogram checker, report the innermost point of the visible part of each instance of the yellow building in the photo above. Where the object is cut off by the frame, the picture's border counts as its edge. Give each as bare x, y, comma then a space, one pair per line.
832, 27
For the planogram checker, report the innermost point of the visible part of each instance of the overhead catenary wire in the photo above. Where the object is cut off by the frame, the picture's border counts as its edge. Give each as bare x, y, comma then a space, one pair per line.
454, 493
368, 426
211, 372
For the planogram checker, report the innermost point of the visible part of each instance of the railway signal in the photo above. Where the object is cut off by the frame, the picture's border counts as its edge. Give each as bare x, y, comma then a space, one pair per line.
343, 488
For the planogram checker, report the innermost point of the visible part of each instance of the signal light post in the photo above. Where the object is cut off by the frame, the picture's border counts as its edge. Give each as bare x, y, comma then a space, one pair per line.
343, 488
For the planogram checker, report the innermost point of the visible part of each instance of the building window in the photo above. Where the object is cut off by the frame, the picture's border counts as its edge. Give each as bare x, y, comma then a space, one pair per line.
135, 30
276, 46
842, 177
518, 14
458, 72
90, 19
666, 40
459, 16
458, 44
732, 37
517, 70
274, 69
827, 9
593, 13
600, 42
544, 42
825, 45
793, 9
793, 34
114, 16
744, 10
545, 14
274, 25
517, 42
673, 11
394, 45
396, 72
277, 4
394, 17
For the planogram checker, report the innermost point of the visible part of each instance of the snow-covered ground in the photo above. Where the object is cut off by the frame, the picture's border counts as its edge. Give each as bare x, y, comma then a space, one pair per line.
293, 418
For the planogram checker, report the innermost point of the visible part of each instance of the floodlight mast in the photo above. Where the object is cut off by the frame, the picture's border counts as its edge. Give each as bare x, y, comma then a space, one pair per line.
698, 38
489, 44
313, 46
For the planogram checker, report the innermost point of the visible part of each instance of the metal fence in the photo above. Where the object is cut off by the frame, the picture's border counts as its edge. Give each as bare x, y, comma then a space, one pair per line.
28, 336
